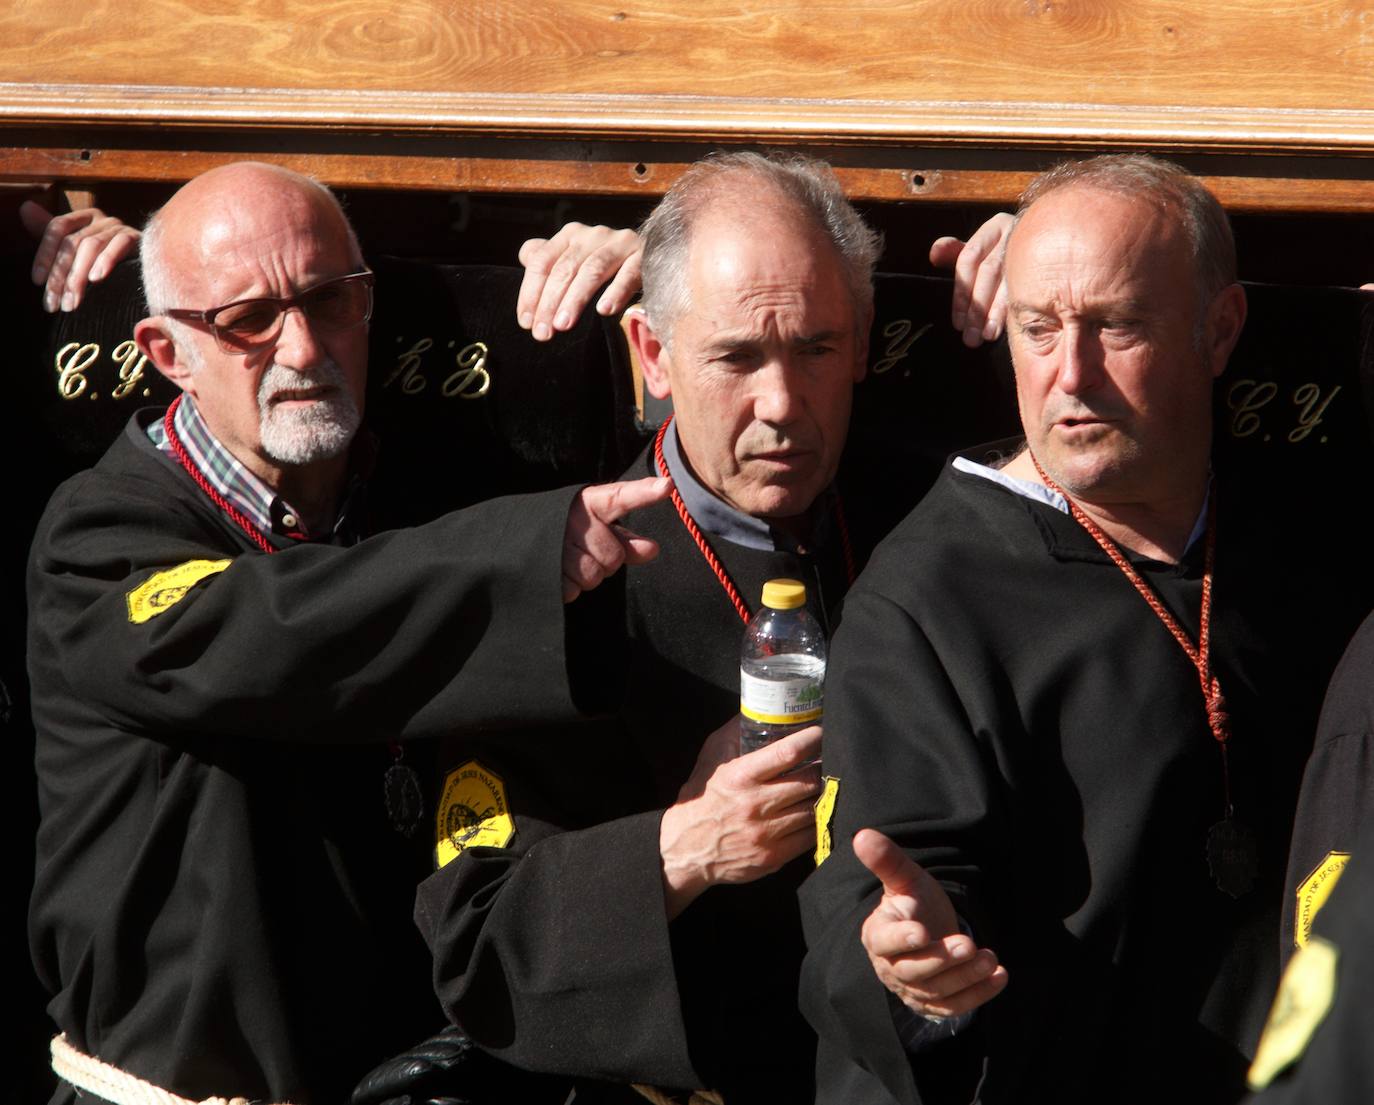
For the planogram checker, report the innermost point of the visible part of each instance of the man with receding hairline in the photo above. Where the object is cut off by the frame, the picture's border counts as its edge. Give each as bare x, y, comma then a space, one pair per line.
224, 665
641, 925
1065, 696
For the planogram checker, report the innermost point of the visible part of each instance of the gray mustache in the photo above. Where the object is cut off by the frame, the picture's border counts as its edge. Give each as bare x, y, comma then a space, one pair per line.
278, 378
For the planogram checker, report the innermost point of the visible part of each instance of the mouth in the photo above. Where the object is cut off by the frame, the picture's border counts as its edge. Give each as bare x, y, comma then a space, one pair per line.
1088, 422
300, 395
788, 457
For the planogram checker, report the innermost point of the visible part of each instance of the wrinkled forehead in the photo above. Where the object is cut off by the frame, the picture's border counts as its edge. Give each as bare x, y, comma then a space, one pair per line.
769, 258
1080, 233
252, 235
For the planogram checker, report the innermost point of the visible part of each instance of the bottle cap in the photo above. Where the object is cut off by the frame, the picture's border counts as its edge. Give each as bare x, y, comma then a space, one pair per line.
784, 594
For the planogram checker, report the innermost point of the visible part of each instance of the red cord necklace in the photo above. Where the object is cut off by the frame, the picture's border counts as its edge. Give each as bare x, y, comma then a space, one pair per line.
184, 459
712, 560
1230, 848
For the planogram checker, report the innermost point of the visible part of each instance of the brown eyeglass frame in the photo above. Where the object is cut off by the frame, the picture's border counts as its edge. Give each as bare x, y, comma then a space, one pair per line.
282, 304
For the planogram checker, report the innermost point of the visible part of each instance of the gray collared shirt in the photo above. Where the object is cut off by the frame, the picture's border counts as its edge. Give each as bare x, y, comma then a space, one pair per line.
720, 519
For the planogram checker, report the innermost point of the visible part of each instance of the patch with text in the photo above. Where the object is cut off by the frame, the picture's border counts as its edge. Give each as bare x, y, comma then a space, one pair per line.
472, 813
165, 589
1312, 894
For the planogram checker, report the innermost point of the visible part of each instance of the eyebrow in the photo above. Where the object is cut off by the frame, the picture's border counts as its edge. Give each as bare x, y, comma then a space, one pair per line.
1131, 307
730, 342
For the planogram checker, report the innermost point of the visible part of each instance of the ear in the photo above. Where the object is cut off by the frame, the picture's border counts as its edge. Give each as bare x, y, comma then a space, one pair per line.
1225, 320
865, 327
155, 342
652, 354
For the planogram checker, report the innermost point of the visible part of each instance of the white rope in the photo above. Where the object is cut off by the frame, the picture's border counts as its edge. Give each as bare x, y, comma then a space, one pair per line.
88, 1073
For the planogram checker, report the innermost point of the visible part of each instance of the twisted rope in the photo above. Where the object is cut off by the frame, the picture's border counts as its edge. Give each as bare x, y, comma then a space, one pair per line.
90, 1074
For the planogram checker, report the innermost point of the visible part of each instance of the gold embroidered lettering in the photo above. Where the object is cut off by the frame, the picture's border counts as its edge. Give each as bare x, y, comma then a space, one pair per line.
71, 363
1245, 398
902, 339
407, 368
472, 380
131, 363
1311, 407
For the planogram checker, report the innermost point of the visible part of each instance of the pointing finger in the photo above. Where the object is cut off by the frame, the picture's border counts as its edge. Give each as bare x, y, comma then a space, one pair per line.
609, 502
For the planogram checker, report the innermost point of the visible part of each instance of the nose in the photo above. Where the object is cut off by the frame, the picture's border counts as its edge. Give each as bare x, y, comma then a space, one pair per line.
1080, 366
777, 398
297, 345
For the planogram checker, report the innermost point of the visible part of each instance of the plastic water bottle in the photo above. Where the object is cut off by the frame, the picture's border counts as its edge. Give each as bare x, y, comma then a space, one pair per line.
781, 667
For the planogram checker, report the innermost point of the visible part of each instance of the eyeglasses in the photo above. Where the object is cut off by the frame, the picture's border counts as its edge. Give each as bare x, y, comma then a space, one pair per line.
248, 324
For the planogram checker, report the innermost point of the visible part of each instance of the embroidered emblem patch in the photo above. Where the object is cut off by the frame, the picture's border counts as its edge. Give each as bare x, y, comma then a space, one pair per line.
1305, 995
472, 813
165, 589
1313, 892
825, 810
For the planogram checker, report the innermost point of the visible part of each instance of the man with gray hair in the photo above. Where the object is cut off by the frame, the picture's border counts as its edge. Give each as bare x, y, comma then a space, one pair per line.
1065, 694
637, 923
223, 672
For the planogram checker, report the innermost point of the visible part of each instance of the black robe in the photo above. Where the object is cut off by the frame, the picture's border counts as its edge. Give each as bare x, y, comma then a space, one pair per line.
554, 952
1004, 705
1337, 797
1336, 1063
220, 904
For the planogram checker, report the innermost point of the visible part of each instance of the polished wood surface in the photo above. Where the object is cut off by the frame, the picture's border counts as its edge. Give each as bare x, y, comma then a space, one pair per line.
1229, 77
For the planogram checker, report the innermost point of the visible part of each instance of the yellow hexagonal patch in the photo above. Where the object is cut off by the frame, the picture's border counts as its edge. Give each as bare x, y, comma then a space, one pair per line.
825, 810
1313, 892
165, 589
1304, 998
472, 813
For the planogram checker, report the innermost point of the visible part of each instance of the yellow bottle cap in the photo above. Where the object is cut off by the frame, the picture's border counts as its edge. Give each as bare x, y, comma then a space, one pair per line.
784, 594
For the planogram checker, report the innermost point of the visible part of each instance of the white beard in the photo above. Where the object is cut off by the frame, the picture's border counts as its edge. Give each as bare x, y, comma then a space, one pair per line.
303, 435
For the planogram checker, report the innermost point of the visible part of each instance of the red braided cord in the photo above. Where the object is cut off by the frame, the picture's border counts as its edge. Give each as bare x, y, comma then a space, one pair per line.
184, 459
692, 528
709, 553
1199, 654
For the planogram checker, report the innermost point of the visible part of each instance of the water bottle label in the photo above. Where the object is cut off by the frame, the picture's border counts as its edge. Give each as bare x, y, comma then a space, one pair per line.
781, 701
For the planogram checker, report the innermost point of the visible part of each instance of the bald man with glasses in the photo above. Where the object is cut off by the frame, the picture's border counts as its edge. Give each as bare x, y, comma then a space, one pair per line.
226, 665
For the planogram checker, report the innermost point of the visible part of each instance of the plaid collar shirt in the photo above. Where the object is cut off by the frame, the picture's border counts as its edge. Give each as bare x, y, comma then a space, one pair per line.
263, 507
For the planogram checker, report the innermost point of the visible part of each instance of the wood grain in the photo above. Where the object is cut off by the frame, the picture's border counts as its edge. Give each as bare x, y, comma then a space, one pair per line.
1302, 54
1301, 71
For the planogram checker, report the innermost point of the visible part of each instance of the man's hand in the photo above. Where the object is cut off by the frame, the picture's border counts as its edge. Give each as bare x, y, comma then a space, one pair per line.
979, 309
74, 249
913, 940
562, 272
594, 547
739, 818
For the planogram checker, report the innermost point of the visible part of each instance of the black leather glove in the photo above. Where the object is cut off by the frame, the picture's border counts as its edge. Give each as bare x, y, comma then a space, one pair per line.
449, 1069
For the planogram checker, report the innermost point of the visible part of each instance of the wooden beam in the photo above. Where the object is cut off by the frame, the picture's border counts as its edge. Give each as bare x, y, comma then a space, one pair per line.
1285, 190
1194, 126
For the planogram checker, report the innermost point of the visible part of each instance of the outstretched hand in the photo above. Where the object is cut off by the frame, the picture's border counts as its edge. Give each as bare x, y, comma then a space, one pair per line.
594, 547
979, 309
73, 250
563, 272
913, 940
